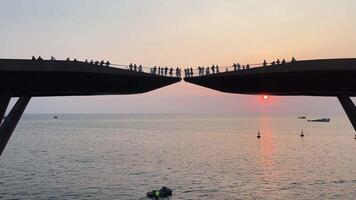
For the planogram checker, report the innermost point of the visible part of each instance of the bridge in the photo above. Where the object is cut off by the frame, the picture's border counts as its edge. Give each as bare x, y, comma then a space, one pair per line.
45, 78
327, 77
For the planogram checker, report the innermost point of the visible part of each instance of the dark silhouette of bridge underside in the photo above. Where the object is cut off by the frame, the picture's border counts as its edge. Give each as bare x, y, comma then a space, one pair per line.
61, 78
329, 77
27, 78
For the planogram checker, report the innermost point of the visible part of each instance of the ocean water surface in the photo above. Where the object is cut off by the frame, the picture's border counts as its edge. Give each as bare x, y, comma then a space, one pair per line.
198, 156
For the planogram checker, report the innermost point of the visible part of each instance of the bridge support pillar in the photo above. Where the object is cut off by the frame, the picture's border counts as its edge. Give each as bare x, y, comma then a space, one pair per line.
4, 102
9, 124
349, 108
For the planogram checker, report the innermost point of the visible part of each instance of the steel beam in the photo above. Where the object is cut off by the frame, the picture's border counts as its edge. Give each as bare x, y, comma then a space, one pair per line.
4, 103
10, 123
349, 108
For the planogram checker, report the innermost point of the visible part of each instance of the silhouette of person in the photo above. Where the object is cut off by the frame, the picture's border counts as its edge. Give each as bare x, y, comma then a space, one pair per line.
207, 72
162, 69
140, 68
283, 61
96, 62
217, 69
102, 63
273, 63
293, 60
264, 63
52, 58
67, 59
108, 63
86, 61
165, 71
235, 66
278, 62
91, 62
171, 71
248, 66
33, 58
135, 67
238, 66
213, 69
191, 71
177, 72
130, 66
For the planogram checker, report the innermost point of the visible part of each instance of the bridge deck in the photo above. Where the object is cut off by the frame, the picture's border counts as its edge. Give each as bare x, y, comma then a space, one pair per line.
69, 78
329, 77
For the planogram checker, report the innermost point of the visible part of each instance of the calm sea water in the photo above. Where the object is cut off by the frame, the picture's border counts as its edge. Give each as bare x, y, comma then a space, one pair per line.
198, 156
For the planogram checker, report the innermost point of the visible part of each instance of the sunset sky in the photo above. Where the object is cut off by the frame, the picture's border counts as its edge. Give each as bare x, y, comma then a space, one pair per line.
180, 33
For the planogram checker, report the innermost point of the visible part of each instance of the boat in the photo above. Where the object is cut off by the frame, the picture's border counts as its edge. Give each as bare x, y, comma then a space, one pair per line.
302, 117
55, 117
319, 120
163, 192
258, 135
302, 133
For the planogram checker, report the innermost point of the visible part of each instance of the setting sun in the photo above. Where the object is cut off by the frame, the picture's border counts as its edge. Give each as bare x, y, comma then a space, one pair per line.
265, 97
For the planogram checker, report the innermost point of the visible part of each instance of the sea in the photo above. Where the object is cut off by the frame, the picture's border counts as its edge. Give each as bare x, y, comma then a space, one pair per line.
201, 156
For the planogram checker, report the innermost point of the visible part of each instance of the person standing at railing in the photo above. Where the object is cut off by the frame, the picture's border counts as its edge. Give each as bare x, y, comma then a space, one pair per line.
293, 60
135, 67
264, 63
191, 71
130, 66
273, 63
238, 66
248, 66
177, 72
207, 72
162, 71
217, 69
235, 66
166, 71
171, 71
213, 69
140, 68
283, 62
278, 62
107, 63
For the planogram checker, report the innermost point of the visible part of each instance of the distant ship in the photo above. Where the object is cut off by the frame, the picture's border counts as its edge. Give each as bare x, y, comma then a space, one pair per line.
55, 117
302, 117
320, 120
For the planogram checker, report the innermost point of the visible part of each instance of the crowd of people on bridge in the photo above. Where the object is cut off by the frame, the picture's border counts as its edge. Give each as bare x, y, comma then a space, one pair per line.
162, 71
101, 63
170, 71
214, 69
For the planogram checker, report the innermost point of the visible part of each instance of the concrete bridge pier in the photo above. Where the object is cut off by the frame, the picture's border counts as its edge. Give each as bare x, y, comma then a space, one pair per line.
8, 125
349, 108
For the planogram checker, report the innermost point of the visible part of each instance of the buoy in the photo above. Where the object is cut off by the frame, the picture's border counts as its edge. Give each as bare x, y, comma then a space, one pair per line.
302, 133
258, 135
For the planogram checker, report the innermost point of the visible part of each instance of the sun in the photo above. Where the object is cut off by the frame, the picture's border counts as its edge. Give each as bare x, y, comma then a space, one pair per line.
265, 97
